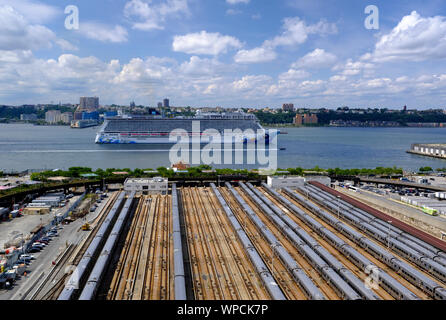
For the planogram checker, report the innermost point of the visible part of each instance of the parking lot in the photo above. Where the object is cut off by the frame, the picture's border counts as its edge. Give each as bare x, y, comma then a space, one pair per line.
45, 252
19, 227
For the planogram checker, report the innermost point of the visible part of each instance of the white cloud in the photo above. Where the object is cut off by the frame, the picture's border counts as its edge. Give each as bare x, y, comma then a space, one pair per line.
255, 55
17, 34
415, 38
251, 87
147, 16
16, 56
316, 59
237, 1
353, 68
33, 11
102, 32
201, 67
65, 45
296, 31
294, 74
26, 79
204, 43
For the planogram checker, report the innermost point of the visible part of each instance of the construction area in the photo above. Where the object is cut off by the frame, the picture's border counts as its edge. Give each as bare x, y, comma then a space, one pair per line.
246, 241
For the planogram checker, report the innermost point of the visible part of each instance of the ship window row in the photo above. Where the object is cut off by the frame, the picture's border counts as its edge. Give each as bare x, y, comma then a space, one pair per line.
168, 126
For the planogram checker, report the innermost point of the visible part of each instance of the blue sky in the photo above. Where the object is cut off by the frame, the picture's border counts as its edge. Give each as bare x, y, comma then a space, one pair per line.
231, 53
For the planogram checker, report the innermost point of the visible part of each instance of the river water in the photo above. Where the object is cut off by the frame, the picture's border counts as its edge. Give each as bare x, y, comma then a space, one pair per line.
24, 146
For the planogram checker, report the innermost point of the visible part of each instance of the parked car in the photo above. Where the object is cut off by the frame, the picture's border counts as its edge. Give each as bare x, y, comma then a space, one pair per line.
23, 261
34, 249
27, 256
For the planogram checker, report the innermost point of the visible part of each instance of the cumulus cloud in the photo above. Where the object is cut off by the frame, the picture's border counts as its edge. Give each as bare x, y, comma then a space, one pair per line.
197, 66
204, 43
353, 68
295, 31
415, 38
102, 32
197, 81
16, 33
316, 59
294, 74
255, 55
33, 11
146, 15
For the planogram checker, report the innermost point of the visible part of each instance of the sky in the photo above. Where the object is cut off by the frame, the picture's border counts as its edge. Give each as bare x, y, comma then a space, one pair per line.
229, 53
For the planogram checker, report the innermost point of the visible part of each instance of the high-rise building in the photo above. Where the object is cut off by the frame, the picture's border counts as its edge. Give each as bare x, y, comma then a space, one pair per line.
132, 104
288, 107
77, 115
66, 117
160, 104
52, 116
89, 103
166, 103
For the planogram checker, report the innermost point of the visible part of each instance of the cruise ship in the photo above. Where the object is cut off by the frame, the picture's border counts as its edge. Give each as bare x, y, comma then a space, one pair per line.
127, 129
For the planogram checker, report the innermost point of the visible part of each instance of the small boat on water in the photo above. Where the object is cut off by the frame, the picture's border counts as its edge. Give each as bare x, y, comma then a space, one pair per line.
282, 148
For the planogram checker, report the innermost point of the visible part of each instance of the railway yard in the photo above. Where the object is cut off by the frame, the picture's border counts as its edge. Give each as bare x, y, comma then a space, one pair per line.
242, 241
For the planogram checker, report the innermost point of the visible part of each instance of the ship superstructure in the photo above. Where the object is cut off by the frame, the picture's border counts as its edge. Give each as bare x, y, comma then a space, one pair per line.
125, 129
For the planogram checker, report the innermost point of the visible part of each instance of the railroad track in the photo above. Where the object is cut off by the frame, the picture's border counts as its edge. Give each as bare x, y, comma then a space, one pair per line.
281, 274
56, 276
243, 271
71, 258
95, 227
145, 265
220, 267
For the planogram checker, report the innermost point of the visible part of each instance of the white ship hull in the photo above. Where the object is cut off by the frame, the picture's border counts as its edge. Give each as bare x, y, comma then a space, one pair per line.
117, 138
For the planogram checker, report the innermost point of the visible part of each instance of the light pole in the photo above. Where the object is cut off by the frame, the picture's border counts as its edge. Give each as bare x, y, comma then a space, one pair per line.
305, 186
388, 235
339, 198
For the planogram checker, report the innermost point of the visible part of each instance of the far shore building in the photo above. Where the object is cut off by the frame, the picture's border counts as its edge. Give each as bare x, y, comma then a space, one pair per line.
288, 107
66, 117
89, 103
298, 120
305, 119
310, 119
28, 117
52, 116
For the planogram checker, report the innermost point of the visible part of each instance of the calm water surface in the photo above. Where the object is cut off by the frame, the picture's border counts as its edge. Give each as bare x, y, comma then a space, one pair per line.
25, 146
